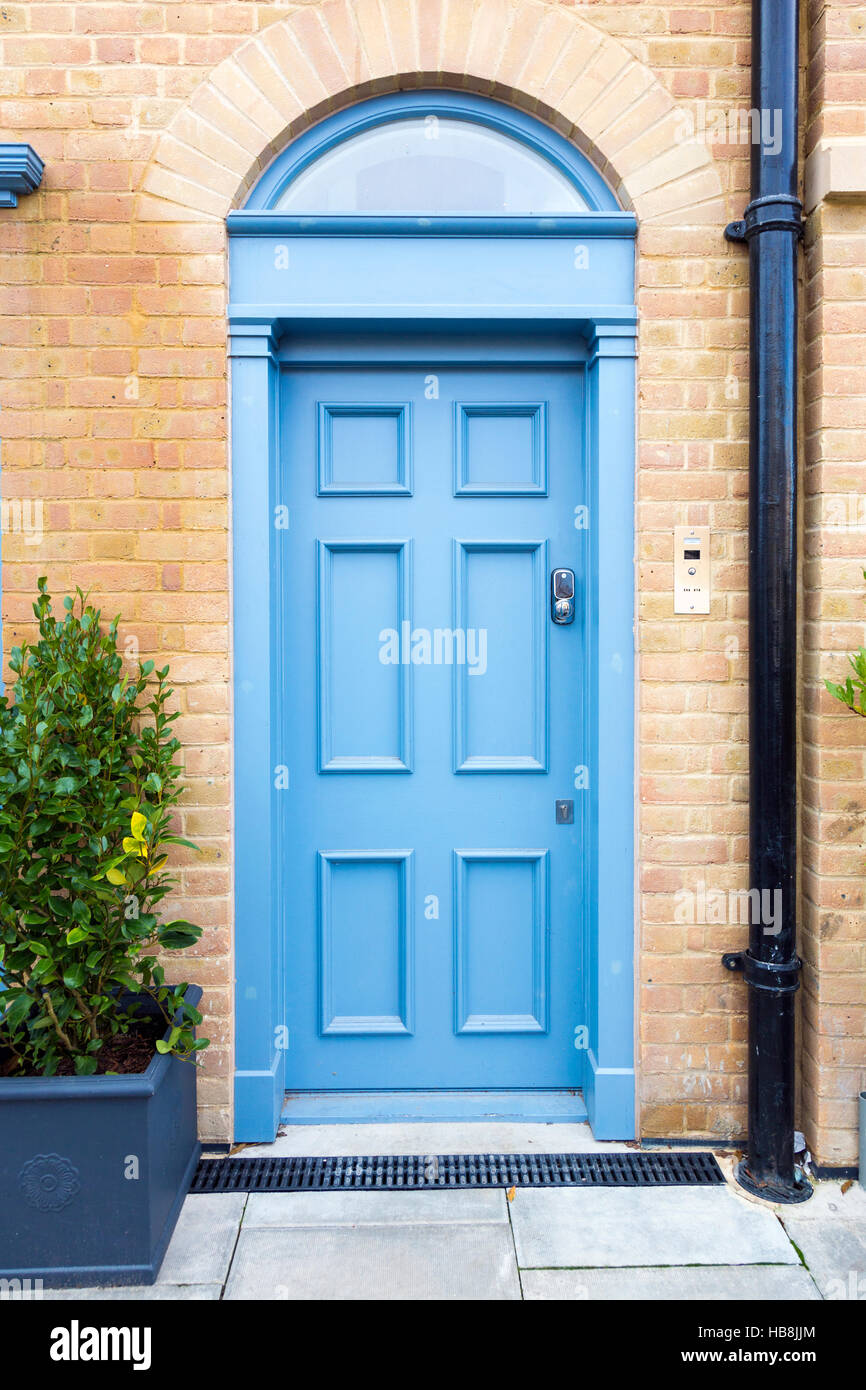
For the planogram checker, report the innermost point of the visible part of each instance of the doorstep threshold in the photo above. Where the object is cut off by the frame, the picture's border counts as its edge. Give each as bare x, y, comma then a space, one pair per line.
395, 1107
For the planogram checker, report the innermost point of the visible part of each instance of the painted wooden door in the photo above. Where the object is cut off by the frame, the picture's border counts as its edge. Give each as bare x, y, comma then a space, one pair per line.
432, 716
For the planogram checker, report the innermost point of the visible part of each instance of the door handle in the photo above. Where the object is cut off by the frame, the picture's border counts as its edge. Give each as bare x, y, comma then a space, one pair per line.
562, 597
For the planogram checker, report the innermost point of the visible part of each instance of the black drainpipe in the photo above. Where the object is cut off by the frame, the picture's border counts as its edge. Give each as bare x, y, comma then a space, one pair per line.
771, 228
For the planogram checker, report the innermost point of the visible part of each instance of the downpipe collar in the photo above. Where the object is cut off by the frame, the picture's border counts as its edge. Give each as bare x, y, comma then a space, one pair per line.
777, 212
774, 977
777, 1189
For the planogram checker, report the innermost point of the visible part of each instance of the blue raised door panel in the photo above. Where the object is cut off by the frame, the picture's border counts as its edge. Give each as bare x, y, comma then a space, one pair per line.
500, 701
500, 450
365, 702
501, 930
366, 943
365, 450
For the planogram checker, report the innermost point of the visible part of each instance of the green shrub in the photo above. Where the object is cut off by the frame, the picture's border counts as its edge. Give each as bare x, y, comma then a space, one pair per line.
853, 692
88, 781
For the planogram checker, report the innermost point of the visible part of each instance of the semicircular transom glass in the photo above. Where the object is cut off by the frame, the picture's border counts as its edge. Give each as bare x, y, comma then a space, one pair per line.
436, 166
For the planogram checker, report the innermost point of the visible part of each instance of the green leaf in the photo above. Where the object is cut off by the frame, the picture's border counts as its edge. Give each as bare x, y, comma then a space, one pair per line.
177, 936
77, 934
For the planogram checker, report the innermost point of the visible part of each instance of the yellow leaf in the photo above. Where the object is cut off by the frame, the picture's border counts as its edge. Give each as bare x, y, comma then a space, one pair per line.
116, 877
158, 863
133, 846
138, 825
510, 1193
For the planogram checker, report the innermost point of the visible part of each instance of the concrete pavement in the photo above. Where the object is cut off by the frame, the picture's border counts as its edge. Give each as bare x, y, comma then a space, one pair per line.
543, 1244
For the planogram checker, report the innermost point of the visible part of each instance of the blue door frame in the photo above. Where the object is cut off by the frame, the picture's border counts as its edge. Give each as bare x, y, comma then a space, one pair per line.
292, 273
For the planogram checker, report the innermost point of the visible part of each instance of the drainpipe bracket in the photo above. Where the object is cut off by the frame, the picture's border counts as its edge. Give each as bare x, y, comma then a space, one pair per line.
776, 977
776, 212
733, 960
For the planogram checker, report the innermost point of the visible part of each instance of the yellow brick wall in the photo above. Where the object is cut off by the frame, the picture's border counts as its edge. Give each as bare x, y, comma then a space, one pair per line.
833, 939
154, 119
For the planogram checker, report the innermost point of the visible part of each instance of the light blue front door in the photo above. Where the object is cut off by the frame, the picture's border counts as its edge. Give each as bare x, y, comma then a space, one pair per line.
432, 713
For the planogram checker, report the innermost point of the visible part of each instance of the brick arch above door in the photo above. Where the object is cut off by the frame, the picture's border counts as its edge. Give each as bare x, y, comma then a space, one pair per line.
531, 53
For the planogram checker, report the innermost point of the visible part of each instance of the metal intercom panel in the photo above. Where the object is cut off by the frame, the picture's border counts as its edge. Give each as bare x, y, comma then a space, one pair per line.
691, 569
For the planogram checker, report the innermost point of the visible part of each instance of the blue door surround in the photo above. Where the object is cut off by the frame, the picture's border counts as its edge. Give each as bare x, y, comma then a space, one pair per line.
295, 276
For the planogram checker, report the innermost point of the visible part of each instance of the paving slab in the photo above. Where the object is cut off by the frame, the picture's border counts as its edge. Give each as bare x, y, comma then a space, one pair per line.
715, 1284
147, 1293
200, 1251
833, 1244
434, 1261
290, 1209
829, 1202
611, 1227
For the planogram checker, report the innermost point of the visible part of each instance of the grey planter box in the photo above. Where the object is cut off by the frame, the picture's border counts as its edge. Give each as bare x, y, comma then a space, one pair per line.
93, 1172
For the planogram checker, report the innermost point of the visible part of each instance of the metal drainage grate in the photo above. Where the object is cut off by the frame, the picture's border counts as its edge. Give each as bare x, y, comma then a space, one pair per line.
409, 1172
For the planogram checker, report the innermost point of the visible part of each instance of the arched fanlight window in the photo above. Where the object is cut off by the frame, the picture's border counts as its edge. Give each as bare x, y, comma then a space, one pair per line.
432, 165
431, 154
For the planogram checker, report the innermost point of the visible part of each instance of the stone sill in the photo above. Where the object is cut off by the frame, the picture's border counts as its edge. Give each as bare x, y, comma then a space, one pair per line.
836, 168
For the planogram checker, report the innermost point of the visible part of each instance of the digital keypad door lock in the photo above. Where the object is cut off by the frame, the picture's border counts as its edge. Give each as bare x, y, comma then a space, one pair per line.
562, 596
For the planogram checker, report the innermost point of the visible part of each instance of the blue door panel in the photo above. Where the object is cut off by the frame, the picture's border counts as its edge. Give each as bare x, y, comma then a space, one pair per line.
364, 705
500, 701
432, 717
501, 941
366, 939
